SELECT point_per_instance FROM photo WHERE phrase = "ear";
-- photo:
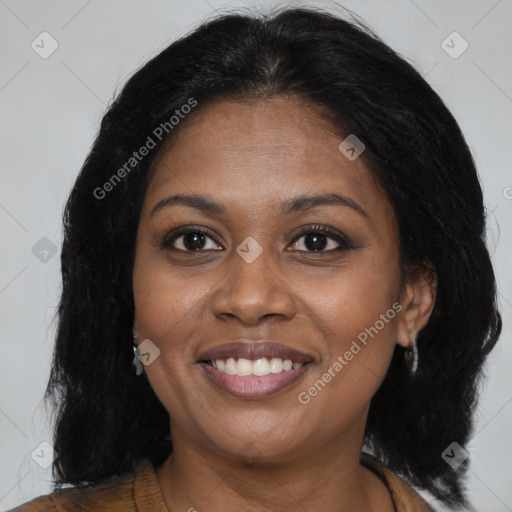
(417, 299)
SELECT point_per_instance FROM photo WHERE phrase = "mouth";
(254, 370)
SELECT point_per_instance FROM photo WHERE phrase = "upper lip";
(254, 349)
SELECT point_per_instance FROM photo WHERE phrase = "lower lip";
(252, 386)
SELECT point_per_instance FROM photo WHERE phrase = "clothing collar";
(405, 499)
(147, 494)
(149, 498)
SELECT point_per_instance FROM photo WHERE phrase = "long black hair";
(107, 419)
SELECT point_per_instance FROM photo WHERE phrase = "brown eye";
(190, 239)
(323, 239)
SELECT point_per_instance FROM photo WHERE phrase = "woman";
(282, 221)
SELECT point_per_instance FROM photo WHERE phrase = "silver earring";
(137, 363)
(411, 356)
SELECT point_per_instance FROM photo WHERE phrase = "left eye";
(322, 240)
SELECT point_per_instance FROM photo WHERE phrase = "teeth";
(260, 367)
(230, 366)
(276, 365)
(244, 367)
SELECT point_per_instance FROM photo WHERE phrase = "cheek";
(169, 320)
(359, 351)
(167, 305)
(357, 315)
(354, 299)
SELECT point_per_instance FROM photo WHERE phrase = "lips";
(217, 364)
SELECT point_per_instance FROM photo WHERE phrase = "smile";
(258, 379)
(254, 369)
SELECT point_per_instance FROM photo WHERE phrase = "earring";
(411, 356)
(137, 363)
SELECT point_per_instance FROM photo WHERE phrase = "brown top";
(141, 493)
(405, 499)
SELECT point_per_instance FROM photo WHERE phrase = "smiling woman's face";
(258, 273)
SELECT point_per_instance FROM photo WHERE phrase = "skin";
(272, 453)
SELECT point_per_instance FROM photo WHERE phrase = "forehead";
(261, 152)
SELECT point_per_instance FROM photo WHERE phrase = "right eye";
(192, 239)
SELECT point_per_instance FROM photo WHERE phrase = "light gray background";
(50, 112)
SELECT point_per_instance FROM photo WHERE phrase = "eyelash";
(344, 242)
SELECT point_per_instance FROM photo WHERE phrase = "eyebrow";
(295, 204)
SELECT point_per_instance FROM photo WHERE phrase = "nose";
(253, 290)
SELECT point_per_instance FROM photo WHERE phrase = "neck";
(327, 477)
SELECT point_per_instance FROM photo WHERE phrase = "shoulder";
(114, 495)
(41, 504)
